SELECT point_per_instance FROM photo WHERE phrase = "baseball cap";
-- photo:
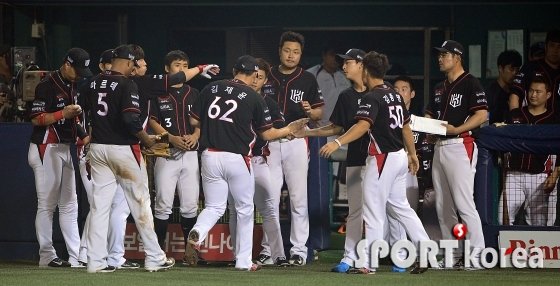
(125, 52)
(536, 49)
(553, 36)
(450, 46)
(106, 57)
(353, 54)
(247, 63)
(79, 60)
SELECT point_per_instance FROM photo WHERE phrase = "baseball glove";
(160, 149)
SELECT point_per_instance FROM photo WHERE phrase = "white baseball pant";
(123, 165)
(290, 159)
(525, 187)
(453, 177)
(263, 199)
(181, 172)
(117, 222)
(384, 195)
(56, 185)
(552, 199)
(224, 172)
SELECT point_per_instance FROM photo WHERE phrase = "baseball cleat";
(108, 269)
(202, 261)
(441, 265)
(57, 262)
(80, 265)
(231, 263)
(263, 260)
(169, 262)
(418, 270)
(128, 265)
(254, 267)
(341, 268)
(297, 260)
(192, 249)
(360, 271)
(282, 262)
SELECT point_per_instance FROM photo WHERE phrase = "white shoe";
(169, 262)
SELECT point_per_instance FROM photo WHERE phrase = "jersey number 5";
(103, 108)
(214, 110)
(396, 116)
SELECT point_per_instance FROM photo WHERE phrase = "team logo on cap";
(348, 51)
(131, 57)
(87, 63)
(444, 43)
(457, 50)
(70, 60)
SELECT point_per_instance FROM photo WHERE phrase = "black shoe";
(107, 269)
(297, 260)
(192, 248)
(57, 262)
(80, 264)
(129, 265)
(231, 264)
(282, 262)
(418, 270)
(360, 271)
(263, 259)
(202, 261)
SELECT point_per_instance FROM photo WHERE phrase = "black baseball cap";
(106, 57)
(79, 60)
(553, 36)
(536, 49)
(126, 52)
(353, 54)
(450, 46)
(247, 63)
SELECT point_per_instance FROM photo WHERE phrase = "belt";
(443, 142)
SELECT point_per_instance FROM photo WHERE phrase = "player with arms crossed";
(53, 115)
(460, 100)
(382, 113)
(228, 113)
(273, 246)
(171, 113)
(297, 93)
(115, 157)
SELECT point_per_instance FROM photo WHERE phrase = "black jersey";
(288, 90)
(343, 115)
(425, 153)
(498, 106)
(152, 86)
(531, 163)
(52, 94)
(277, 119)
(523, 79)
(385, 110)
(230, 113)
(172, 110)
(455, 102)
(111, 94)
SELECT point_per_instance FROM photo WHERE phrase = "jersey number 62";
(214, 109)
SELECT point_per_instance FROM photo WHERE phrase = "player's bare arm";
(325, 131)
(408, 141)
(473, 122)
(294, 126)
(192, 139)
(513, 101)
(68, 112)
(177, 141)
(356, 131)
(550, 182)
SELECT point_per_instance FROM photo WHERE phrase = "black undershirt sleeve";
(132, 122)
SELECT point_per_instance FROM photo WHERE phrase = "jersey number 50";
(396, 116)
(214, 109)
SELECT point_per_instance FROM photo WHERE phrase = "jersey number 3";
(214, 110)
(396, 116)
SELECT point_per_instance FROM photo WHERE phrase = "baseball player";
(273, 246)
(228, 112)
(119, 208)
(461, 101)
(298, 95)
(547, 67)
(171, 113)
(114, 155)
(53, 116)
(527, 173)
(382, 113)
(497, 92)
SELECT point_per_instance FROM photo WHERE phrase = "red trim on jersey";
(185, 117)
(265, 126)
(265, 151)
(380, 159)
(548, 165)
(52, 136)
(317, 104)
(469, 147)
(42, 148)
(131, 109)
(431, 114)
(136, 152)
(247, 160)
(194, 115)
(365, 118)
(454, 84)
(287, 84)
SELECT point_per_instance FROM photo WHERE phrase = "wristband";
(200, 68)
(338, 142)
(58, 115)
